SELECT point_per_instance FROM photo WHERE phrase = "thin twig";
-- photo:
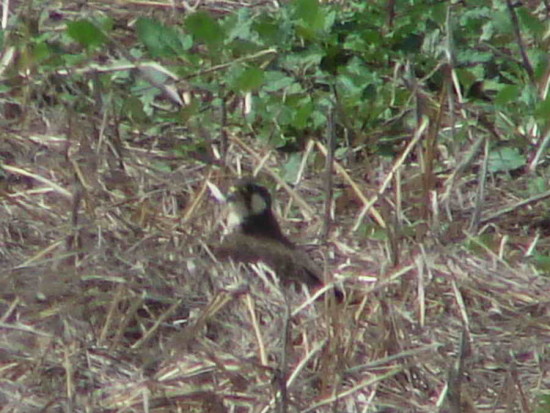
(480, 195)
(517, 33)
(329, 162)
(417, 136)
(344, 174)
(456, 375)
(158, 323)
(252, 310)
(515, 206)
(283, 367)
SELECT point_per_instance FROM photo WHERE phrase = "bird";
(250, 212)
(256, 236)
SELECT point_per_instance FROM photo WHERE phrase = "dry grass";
(111, 301)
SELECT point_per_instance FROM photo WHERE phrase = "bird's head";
(250, 211)
(247, 199)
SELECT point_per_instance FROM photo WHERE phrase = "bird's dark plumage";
(257, 236)
(250, 211)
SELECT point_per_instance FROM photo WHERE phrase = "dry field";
(112, 301)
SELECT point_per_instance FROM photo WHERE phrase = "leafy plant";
(296, 62)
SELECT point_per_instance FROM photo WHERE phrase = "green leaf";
(161, 40)
(305, 58)
(542, 262)
(539, 59)
(41, 51)
(204, 28)
(530, 23)
(73, 59)
(542, 111)
(134, 110)
(507, 94)
(292, 167)
(85, 33)
(505, 159)
(161, 166)
(474, 18)
(529, 95)
(285, 113)
(275, 80)
(306, 10)
(310, 15)
(487, 32)
(249, 79)
(466, 77)
(348, 85)
(271, 31)
(501, 22)
(544, 402)
(302, 114)
(318, 119)
(537, 185)
(468, 56)
(238, 26)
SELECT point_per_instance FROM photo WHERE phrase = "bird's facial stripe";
(258, 203)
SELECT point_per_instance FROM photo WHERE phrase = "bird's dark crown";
(251, 197)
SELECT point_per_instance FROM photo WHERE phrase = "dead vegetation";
(111, 300)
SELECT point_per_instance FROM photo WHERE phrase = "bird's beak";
(231, 194)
